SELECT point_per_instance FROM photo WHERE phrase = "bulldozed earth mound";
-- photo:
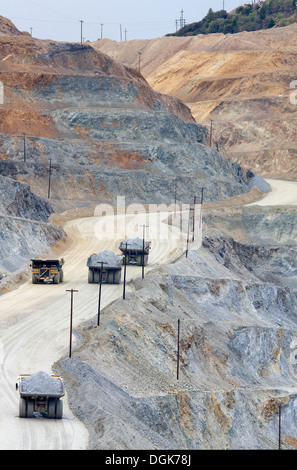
(244, 83)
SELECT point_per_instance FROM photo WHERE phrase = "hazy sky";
(134, 19)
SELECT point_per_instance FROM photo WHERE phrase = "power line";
(50, 9)
(42, 20)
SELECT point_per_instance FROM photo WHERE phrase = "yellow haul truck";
(47, 270)
(40, 393)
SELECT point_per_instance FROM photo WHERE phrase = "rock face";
(103, 129)
(24, 228)
(7, 28)
(237, 305)
(244, 82)
(17, 200)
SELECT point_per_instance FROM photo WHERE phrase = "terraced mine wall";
(237, 305)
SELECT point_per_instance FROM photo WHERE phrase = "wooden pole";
(178, 340)
(100, 288)
(175, 197)
(25, 156)
(81, 31)
(279, 428)
(49, 179)
(194, 215)
(210, 138)
(71, 318)
(188, 235)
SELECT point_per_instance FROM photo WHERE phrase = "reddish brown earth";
(241, 82)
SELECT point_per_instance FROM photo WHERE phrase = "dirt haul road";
(283, 193)
(35, 322)
(35, 319)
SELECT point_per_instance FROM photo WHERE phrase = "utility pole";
(201, 202)
(121, 38)
(210, 137)
(101, 30)
(81, 31)
(31, 32)
(49, 179)
(25, 156)
(279, 427)
(188, 236)
(194, 215)
(100, 286)
(175, 197)
(71, 317)
(144, 227)
(126, 34)
(178, 341)
(125, 270)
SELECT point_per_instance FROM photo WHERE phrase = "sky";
(119, 20)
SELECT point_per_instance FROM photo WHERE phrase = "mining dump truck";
(105, 267)
(40, 393)
(136, 251)
(47, 270)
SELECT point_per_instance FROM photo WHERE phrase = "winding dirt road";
(282, 193)
(35, 323)
(35, 319)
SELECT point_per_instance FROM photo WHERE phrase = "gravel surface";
(41, 383)
(133, 244)
(109, 259)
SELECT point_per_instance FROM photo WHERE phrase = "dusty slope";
(241, 82)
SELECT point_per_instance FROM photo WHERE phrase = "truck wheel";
(22, 408)
(51, 408)
(96, 277)
(34, 279)
(117, 277)
(57, 278)
(61, 275)
(59, 409)
(90, 276)
(139, 260)
(110, 277)
(30, 408)
(145, 260)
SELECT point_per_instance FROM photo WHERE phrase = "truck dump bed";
(135, 245)
(109, 259)
(41, 384)
(105, 267)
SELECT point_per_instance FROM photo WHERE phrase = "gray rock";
(107, 257)
(42, 383)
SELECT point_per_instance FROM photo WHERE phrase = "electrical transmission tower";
(181, 21)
